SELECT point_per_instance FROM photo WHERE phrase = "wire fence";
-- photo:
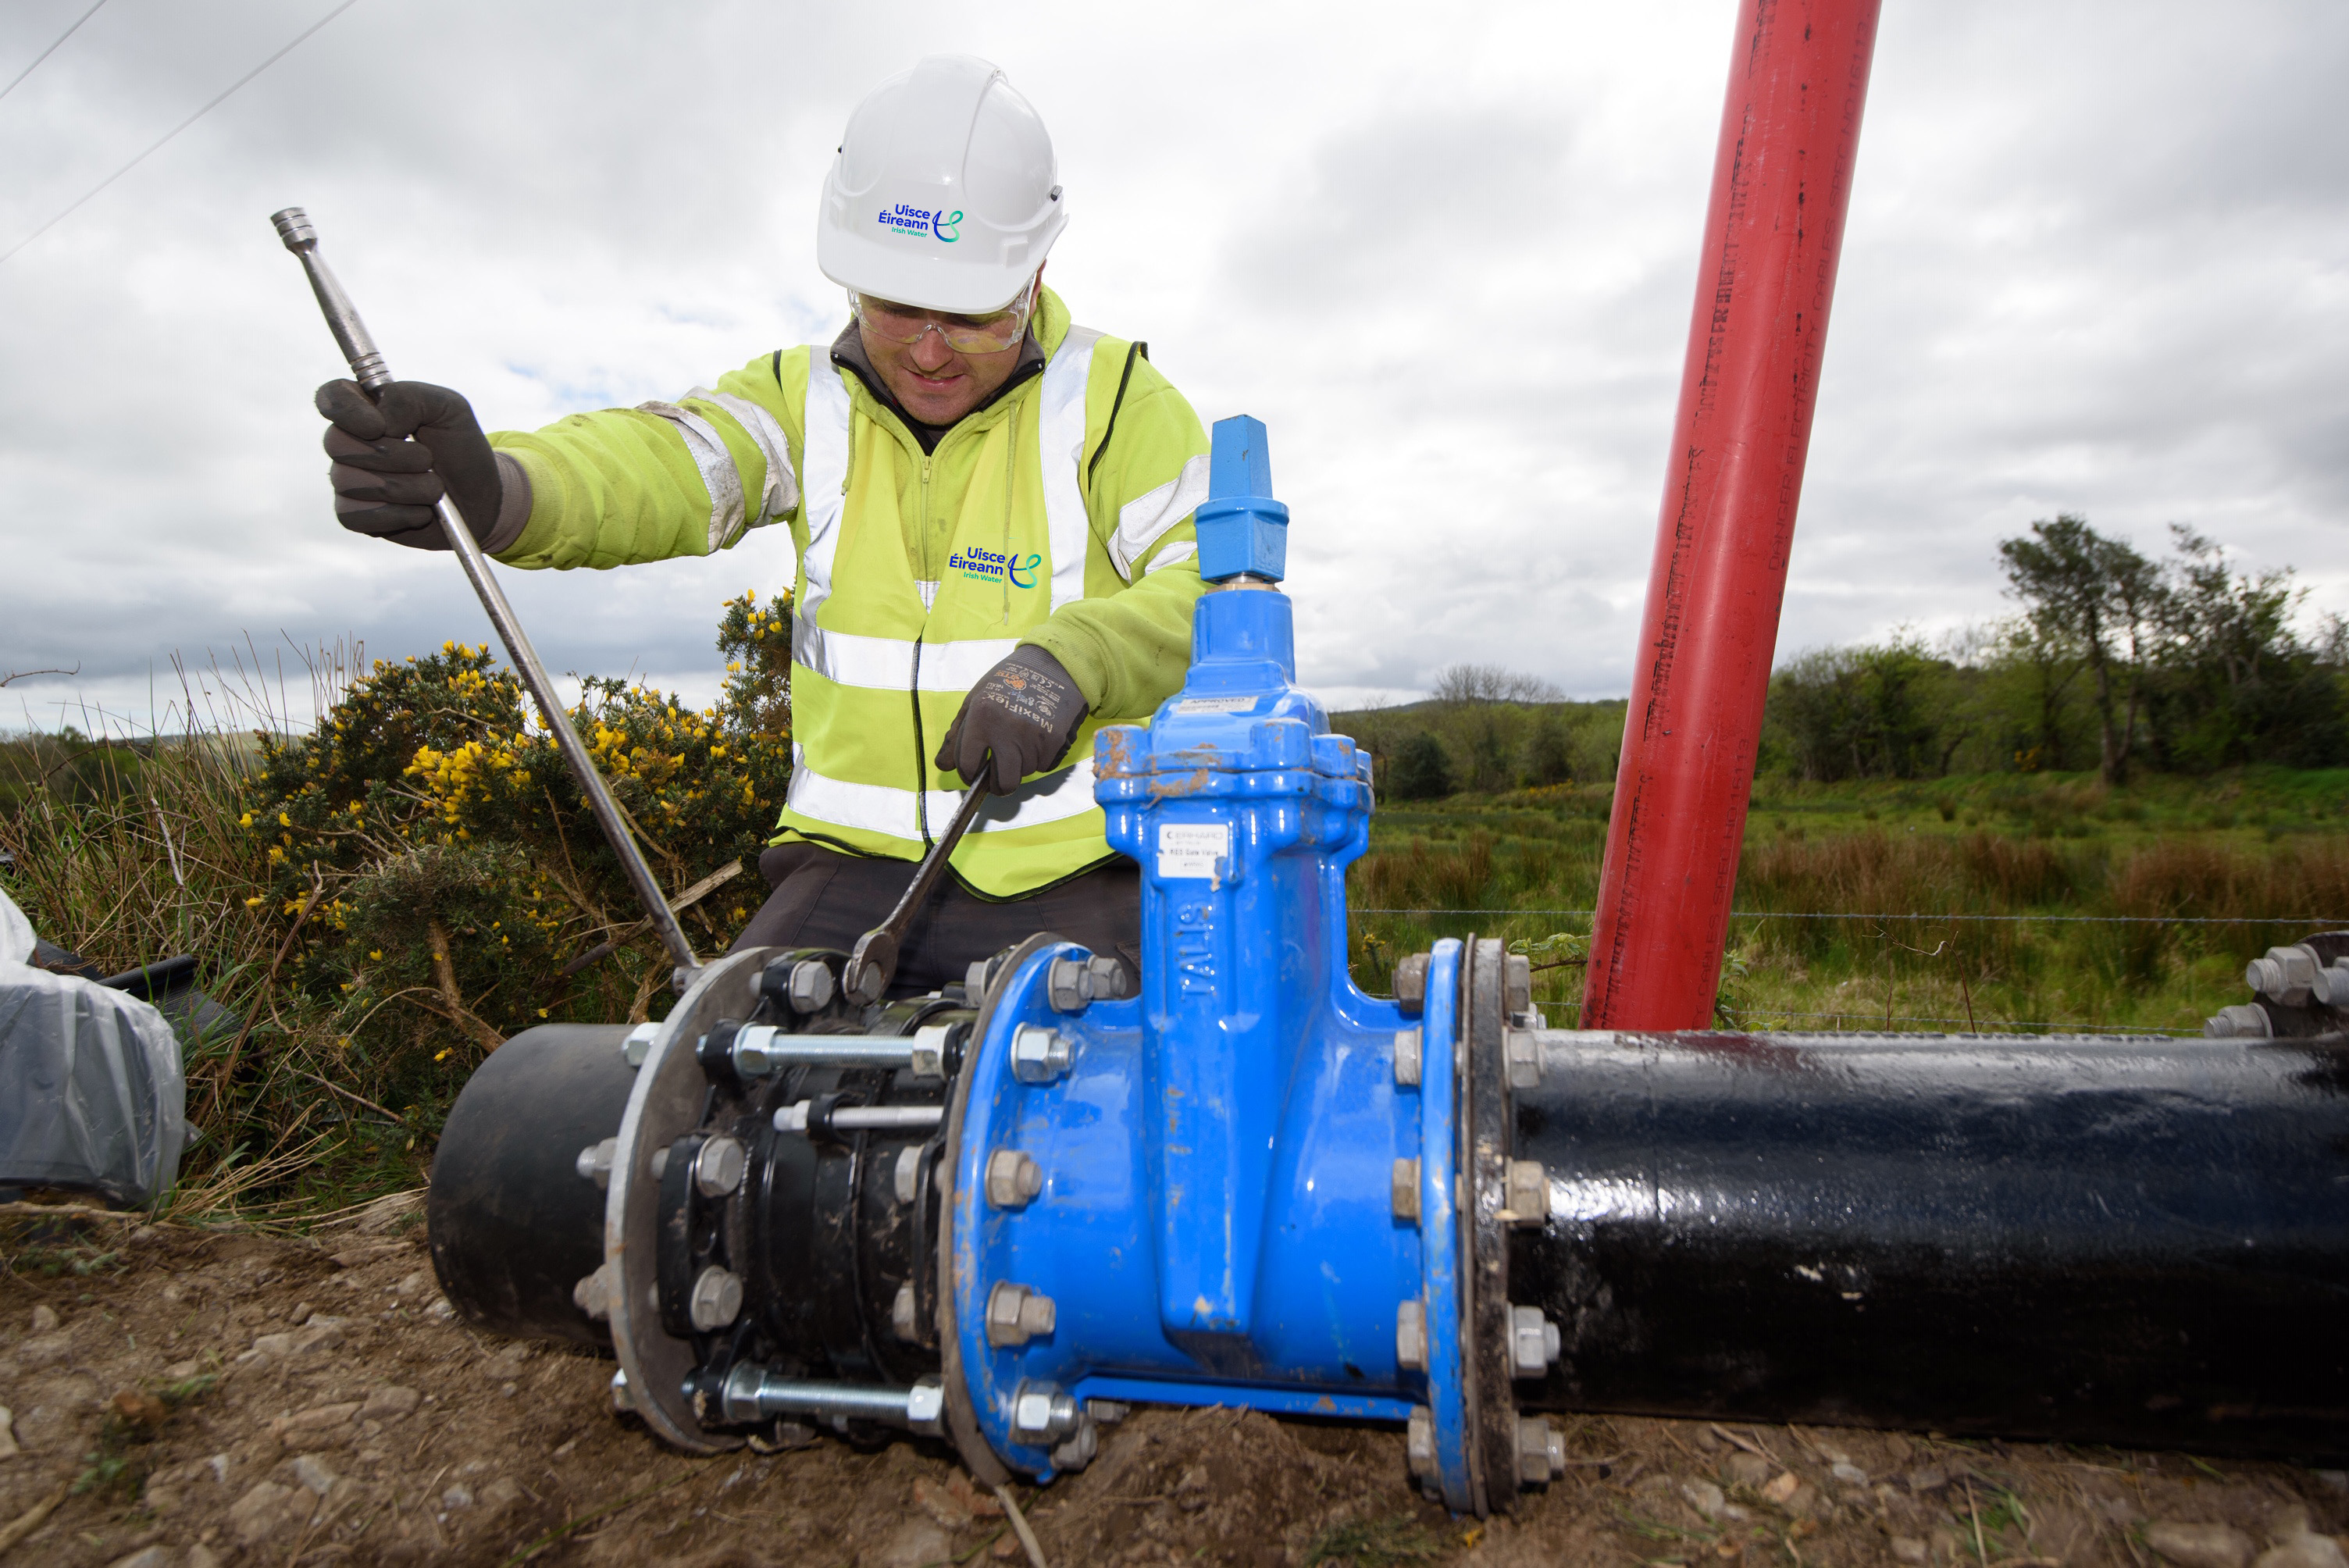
(1873, 1022)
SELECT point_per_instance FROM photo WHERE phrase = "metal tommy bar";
(367, 368)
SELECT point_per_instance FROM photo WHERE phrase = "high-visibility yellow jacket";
(1035, 520)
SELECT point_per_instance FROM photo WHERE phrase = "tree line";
(2113, 661)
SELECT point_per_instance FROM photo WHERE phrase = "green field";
(382, 922)
(2229, 865)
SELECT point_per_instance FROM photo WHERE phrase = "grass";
(2211, 871)
(129, 850)
(1374, 1544)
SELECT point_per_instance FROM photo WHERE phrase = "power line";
(175, 131)
(52, 50)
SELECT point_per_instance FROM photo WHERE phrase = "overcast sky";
(2095, 264)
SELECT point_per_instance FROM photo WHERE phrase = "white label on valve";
(1192, 849)
(1214, 705)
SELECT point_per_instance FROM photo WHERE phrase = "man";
(991, 508)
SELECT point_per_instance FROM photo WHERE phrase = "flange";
(665, 1104)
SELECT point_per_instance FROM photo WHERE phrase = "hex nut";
(718, 1169)
(1419, 1444)
(1406, 1058)
(1520, 982)
(1541, 1451)
(2243, 1021)
(1534, 1341)
(928, 1061)
(1109, 978)
(1078, 1451)
(657, 1166)
(1015, 1315)
(622, 1400)
(593, 1294)
(925, 1407)
(1524, 1048)
(1039, 1055)
(907, 1179)
(1014, 1179)
(594, 1161)
(975, 979)
(1108, 1412)
(1406, 1194)
(1528, 1193)
(794, 1117)
(1411, 1337)
(902, 1314)
(1410, 982)
(1068, 982)
(1042, 1413)
(810, 986)
(639, 1044)
(717, 1299)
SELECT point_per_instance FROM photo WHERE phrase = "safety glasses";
(989, 334)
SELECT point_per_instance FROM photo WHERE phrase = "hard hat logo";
(904, 220)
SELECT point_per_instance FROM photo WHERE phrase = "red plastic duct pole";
(1781, 183)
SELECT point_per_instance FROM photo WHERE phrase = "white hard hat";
(945, 194)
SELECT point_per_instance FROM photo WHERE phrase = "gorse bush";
(441, 881)
(388, 896)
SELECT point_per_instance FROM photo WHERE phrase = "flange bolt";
(1419, 1444)
(1013, 1179)
(905, 1180)
(717, 1169)
(1529, 1191)
(1411, 1337)
(1520, 984)
(1541, 1451)
(902, 1316)
(1042, 1413)
(717, 1299)
(1404, 1194)
(2243, 1021)
(594, 1161)
(810, 987)
(925, 1407)
(1533, 1342)
(639, 1044)
(622, 1400)
(1015, 1315)
(1410, 982)
(1406, 1058)
(1039, 1055)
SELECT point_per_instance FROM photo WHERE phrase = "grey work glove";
(1018, 720)
(396, 453)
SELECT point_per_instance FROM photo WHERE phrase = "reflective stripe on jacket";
(916, 572)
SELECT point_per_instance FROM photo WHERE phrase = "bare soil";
(184, 1398)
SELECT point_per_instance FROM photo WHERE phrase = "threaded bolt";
(1405, 1191)
(1541, 1451)
(1411, 1337)
(1528, 1193)
(1419, 1445)
(1014, 1179)
(1015, 1315)
(717, 1299)
(1534, 1341)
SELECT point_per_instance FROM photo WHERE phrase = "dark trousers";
(822, 898)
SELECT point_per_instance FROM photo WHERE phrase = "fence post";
(1781, 183)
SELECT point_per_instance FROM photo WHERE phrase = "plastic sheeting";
(91, 1094)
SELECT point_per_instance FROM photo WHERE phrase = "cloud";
(2094, 264)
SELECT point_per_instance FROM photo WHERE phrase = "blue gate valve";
(1238, 1187)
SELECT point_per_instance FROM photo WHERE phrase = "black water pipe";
(2132, 1241)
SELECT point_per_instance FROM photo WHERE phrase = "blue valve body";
(1217, 1223)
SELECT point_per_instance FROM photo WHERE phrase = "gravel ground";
(179, 1398)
